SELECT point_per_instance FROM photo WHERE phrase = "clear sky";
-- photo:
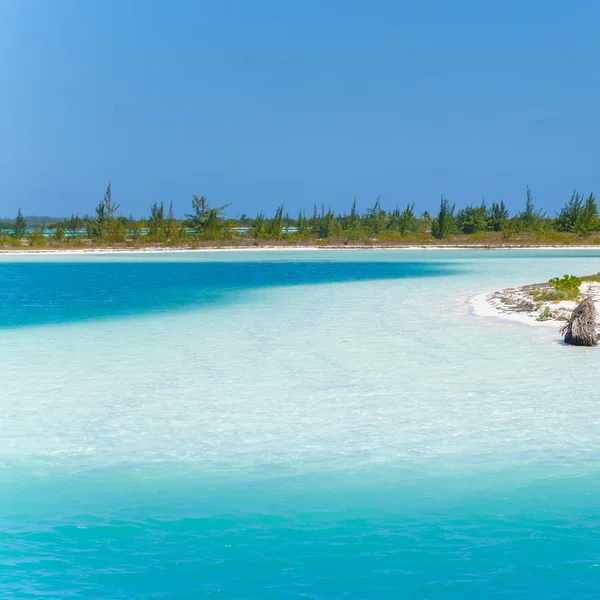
(259, 102)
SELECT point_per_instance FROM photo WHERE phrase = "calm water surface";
(297, 424)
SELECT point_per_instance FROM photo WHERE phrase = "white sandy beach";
(514, 304)
(61, 251)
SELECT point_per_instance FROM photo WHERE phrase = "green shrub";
(569, 284)
(548, 295)
(544, 315)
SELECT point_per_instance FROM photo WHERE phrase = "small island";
(570, 301)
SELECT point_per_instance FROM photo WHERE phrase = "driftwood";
(580, 329)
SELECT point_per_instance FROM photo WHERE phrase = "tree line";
(578, 216)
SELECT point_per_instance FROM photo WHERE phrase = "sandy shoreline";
(75, 251)
(483, 305)
(517, 306)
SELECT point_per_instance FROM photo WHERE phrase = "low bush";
(569, 284)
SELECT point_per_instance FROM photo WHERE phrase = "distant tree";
(588, 220)
(352, 223)
(36, 238)
(375, 219)
(275, 229)
(59, 233)
(353, 217)
(258, 229)
(105, 215)
(207, 220)
(156, 222)
(498, 216)
(173, 230)
(136, 227)
(444, 224)
(403, 221)
(109, 206)
(510, 228)
(19, 226)
(263, 227)
(74, 225)
(570, 214)
(530, 219)
(472, 219)
(302, 222)
(328, 225)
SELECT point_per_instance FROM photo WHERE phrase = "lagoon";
(324, 424)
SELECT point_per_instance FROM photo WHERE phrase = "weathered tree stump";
(580, 329)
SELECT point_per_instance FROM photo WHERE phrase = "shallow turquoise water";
(273, 425)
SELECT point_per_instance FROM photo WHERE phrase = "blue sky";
(259, 102)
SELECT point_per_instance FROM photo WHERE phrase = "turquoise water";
(296, 424)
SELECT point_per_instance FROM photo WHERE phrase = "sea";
(319, 424)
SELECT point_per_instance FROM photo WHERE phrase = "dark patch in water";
(64, 292)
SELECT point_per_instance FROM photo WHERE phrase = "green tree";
(570, 214)
(375, 219)
(328, 225)
(262, 227)
(443, 225)
(258, 229)
(498, 216)
(206, 220)
(588, 219)
(19, 226)
(352, 223)
(275, 225)
(105, 215)
(156, 222)
(173, 230)
(37, 236)
(74, 225)
(136, 227)
(472, 219)
(403, 221)
(530, 219)
(302, 223)
(59, 233)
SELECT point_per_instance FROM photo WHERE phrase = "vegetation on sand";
(205, 224)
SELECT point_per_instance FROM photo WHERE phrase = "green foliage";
(327, 226)
(118, 230)
(545, 314)
(375, 219)
(531, 219)
(443, 226)
(36, 237)
(74, 225)
(156, 222)
(275, 230)
(206, 220)
(472, 219)
(403, 222)
(104, 223)
(481, 225)
(19, 226)
(570, 214)
(588, 219)
(264, 228)
(498, 217)
(136, 227)
(59, 233)
(568, 284)
(509, 229)
(548, 295)
(578, 215)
